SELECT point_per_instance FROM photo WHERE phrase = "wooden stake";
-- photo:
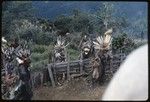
(68, 67)
(51, 75)
(81, 64)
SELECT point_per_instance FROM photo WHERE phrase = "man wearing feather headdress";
(60, 53)
(59, 50)
(11, 77)
(60, 47)
(103, 44)
(23, 59)
(8, 75)
(86, 46)
(103, 52)
(7, 56)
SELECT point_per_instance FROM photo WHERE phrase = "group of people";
(15, 71)
(97, 51)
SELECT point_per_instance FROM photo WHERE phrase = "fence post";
(68, 67)
(41, 79)
(122, 57)
(51, 75)
(32, 82)
(81, 64)
(54, 70)
(111, 65)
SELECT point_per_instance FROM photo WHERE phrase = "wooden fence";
(116, 61)
(70, 68)
(76, 67)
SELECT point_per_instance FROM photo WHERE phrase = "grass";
(74, 54)
(39, 65)
(40, 56)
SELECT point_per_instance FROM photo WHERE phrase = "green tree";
(12, 11)
(105, 18)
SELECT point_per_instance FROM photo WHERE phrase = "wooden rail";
(71, 67)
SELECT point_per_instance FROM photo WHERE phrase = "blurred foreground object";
(131, 80)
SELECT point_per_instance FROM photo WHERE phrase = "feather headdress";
(103, 43)
(60, 42)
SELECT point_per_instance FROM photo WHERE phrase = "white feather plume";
(58, 42)
(4, 40)
(103, 42)
(108, 32)
(19, 60)
(107, 39)
(100, 40)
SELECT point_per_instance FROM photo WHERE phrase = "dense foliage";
(123, 43)
(18, 20)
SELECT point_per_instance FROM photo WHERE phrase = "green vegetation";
(124, 43)
(79, 23)
(74, 54)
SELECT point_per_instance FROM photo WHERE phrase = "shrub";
(39, 65)
(39, 48)
(122, 43)
(74, 54)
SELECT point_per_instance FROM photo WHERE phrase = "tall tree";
(105, 18)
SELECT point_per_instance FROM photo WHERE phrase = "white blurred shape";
(131, 80)
(4, 40)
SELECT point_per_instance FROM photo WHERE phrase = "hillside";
(52, 9)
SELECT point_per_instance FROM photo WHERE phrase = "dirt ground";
(75, 89)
